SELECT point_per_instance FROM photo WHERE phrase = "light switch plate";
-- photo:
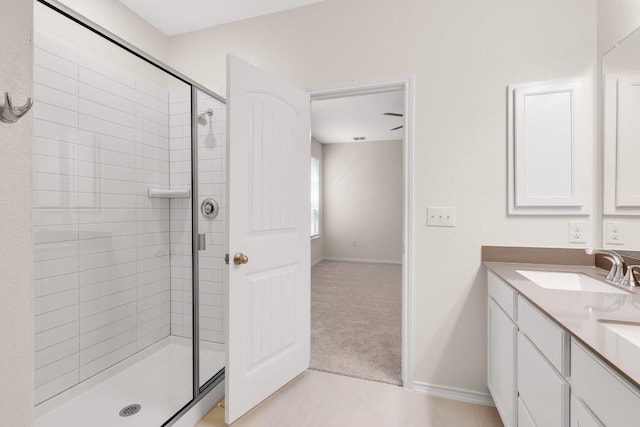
(441, 217)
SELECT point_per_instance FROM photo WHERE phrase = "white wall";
(317, 251)
(363, 201)
(616, 19)
(115, 17)
(16, 313)
(463, 54)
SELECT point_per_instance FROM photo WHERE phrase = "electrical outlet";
(614, 233)
(441, 217)
(577, 231)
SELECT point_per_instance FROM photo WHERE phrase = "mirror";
(621, 145)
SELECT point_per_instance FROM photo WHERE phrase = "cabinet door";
(542, 389)
(581, 417)
(502, 336)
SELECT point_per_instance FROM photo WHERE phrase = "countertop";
(578, 312)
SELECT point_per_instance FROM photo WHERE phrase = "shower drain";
(129, 410)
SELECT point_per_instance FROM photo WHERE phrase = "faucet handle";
(630, 278)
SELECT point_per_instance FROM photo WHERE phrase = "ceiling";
(176, 17)
(342, 119)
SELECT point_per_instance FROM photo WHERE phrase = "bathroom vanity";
(563, 346)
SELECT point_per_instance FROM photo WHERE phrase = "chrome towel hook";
(11, 114)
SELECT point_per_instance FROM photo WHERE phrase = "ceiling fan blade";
(399, 127)
(393, 114)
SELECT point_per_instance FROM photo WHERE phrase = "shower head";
(202, 119)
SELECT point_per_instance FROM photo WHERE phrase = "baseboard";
(453, 393)
(374, 261)
(314, 262)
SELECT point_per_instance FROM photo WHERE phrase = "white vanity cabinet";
(527, 361)
(502, 337)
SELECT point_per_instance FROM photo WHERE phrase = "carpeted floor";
(356, 319)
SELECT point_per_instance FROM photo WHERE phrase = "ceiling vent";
(358, 138)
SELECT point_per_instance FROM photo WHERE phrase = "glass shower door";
(212, 157)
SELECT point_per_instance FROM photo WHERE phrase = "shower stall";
(129, 231)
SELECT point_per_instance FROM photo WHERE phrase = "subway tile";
(104, 216)
(54, 148)
(51, 302)
(54, 131)
(106, 244)
(95, 79)
(56, 250)
(54, 62)
(104, 127)
(56, 369)
(152, 89)
(53, 165)
(50, 44)
(106, 98)
(95, 366)
(99, 275)
(98, 305)
(153, 337)
(56, 386)
(88, 231)
(110, 330)
(55, 80)
(53, 96)
(106, 113)
(55, 267)
(106, 69)
(56, 318)
(55, 335)
(102, 289)
(53, 285)
(98, 320)
(92, 154)
(53, 182)
(114, 258)
(57, 351)
(105, 142)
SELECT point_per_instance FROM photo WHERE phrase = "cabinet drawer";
(550, 339)
(524, 418)
(611, 398)
(502, 293)
(581, 417)
(544, 391)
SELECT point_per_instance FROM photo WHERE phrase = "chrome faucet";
(616, 274)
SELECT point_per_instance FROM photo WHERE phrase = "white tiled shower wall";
(106, 283)
(212, 184)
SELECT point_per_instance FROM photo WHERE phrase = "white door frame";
(406, 84)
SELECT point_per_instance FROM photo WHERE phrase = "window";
(315, 197)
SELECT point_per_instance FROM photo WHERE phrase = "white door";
(268, 316)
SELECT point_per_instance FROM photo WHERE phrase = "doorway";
(360, 306)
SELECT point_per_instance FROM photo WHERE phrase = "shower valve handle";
(240, 258)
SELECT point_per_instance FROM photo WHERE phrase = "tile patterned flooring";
(320, 399)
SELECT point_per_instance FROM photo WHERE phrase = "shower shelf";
(170, 194)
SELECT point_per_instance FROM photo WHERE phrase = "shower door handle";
(202, 242)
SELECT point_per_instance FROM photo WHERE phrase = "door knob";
(240, 258)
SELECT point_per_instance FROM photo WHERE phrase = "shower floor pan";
(158, 379)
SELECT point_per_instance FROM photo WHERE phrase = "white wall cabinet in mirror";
(549, 148)
(621, 128)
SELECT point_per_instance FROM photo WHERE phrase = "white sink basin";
(569, 281)
(630, 331)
